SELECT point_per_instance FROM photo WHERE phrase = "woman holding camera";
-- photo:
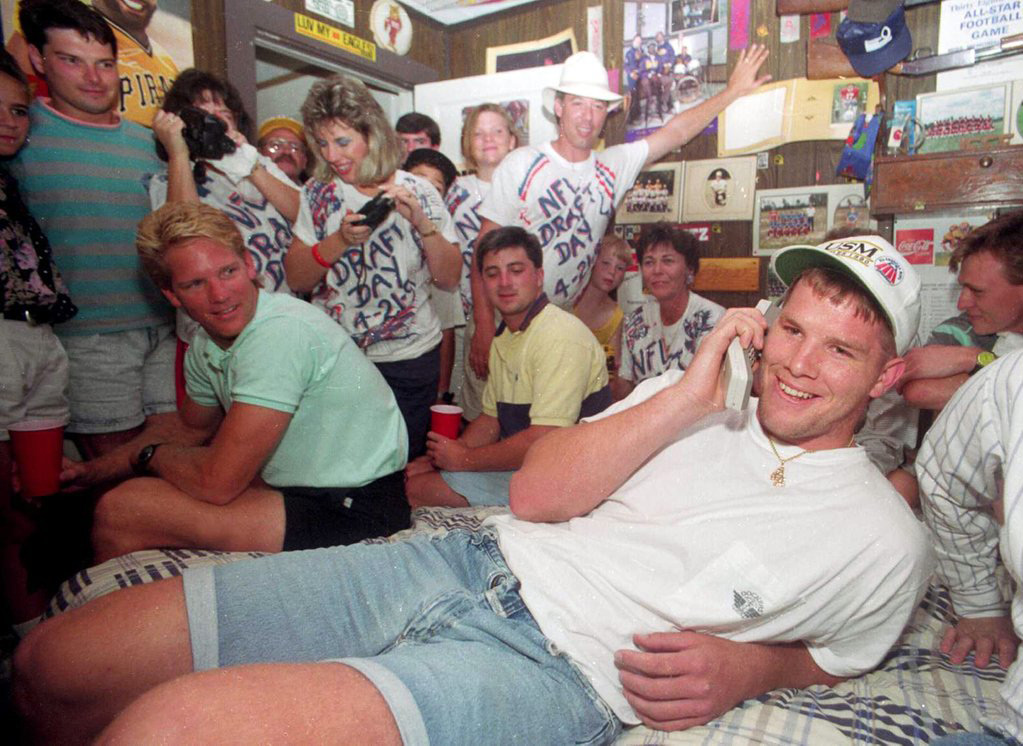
(373, 276)
(248, 187)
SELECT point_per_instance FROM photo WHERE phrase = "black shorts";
(329, 516)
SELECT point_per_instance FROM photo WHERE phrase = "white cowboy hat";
(583, 75)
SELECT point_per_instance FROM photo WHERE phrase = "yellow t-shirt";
(146, 75)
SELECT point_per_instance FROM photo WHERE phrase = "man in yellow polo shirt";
(546, 371)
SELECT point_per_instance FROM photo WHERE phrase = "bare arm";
(678, 680)
(932, 393)
(180, 183)
(482, 312)
(161, 428)
(220, 472)
(575, 458)
(282, 196)
(683, 127)
(499, 455)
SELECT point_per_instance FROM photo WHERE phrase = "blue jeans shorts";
(435, 623)
(480, 487)
(120, 378)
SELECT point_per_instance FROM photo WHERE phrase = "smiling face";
(213, 104)
(665, 272)
(13, 115)
(81, 74)
(581, 121)
(491, 140)
(131, 15)
(214, 285)
(512, 283)
(343, 148)
(991, 302)
(821, 366)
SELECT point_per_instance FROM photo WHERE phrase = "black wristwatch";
(141, 466)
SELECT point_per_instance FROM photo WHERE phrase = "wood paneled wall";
(460, 51)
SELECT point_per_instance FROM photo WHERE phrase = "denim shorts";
(480, 487)
(435, 623)
(120, 378)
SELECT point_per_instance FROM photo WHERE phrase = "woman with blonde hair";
(373, 277)
(488, 135)
(597, 307)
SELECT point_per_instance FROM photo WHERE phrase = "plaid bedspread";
(914, 696)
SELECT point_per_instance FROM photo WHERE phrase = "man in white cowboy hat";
(565, 194)
(715, 555)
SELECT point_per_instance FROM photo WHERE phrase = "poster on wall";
(669, 47)
(153, 45)
(951, 118)
(550, 51)
(978, 23)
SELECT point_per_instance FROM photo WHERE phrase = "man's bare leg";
(429, 489)
(147, 513)
(75, 672)
(260, 703)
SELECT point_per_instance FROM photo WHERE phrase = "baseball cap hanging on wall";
(874, 35)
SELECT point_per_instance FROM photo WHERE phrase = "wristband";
(432, 231)
(984, 358)
(318, 257)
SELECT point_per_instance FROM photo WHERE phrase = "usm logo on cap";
(858, 251)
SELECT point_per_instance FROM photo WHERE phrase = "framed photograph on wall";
(720, 189)
(952, 117)
(784, 217)
(553, 50)
(654, 196)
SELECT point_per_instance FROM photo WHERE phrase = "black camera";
(205, 135)
(375, 211)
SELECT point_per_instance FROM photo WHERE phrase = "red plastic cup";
(38, 446)
(446, 420)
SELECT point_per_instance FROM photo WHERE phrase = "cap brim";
(874, 63)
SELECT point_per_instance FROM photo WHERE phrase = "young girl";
(597, 306)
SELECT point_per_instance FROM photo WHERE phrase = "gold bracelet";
(433, 226)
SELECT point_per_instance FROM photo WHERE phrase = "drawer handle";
(986, 161)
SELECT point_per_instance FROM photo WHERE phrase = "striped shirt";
(84, 184)
(971, 457)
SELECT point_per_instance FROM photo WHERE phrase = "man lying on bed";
(606, 600)
(304, 442)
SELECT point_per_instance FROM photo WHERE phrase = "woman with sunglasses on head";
(373, 277)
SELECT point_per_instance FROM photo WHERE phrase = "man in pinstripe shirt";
(970, 469)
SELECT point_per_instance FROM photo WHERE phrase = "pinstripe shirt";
(972, 456)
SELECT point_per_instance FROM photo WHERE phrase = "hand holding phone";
(737, 369)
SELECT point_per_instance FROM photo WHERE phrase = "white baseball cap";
(582, 74)
(876, 266)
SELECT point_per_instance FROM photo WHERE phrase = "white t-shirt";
(699, 538)
(649, 348)
(566, 205)
(463, 202)
(378, 291)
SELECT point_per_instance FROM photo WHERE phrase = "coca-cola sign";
(917, 245)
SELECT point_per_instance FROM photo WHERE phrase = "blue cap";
(873, 48)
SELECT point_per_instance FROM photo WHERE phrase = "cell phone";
(737, 370)
(375, 211)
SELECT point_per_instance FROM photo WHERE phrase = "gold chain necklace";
(778, 475)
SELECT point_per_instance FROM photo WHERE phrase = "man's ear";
(169, 295)
(888, 377)
(539, 279)
(36, 58)
(250, 266)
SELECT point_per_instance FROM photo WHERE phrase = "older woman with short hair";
(373, 280)
(664, 331)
